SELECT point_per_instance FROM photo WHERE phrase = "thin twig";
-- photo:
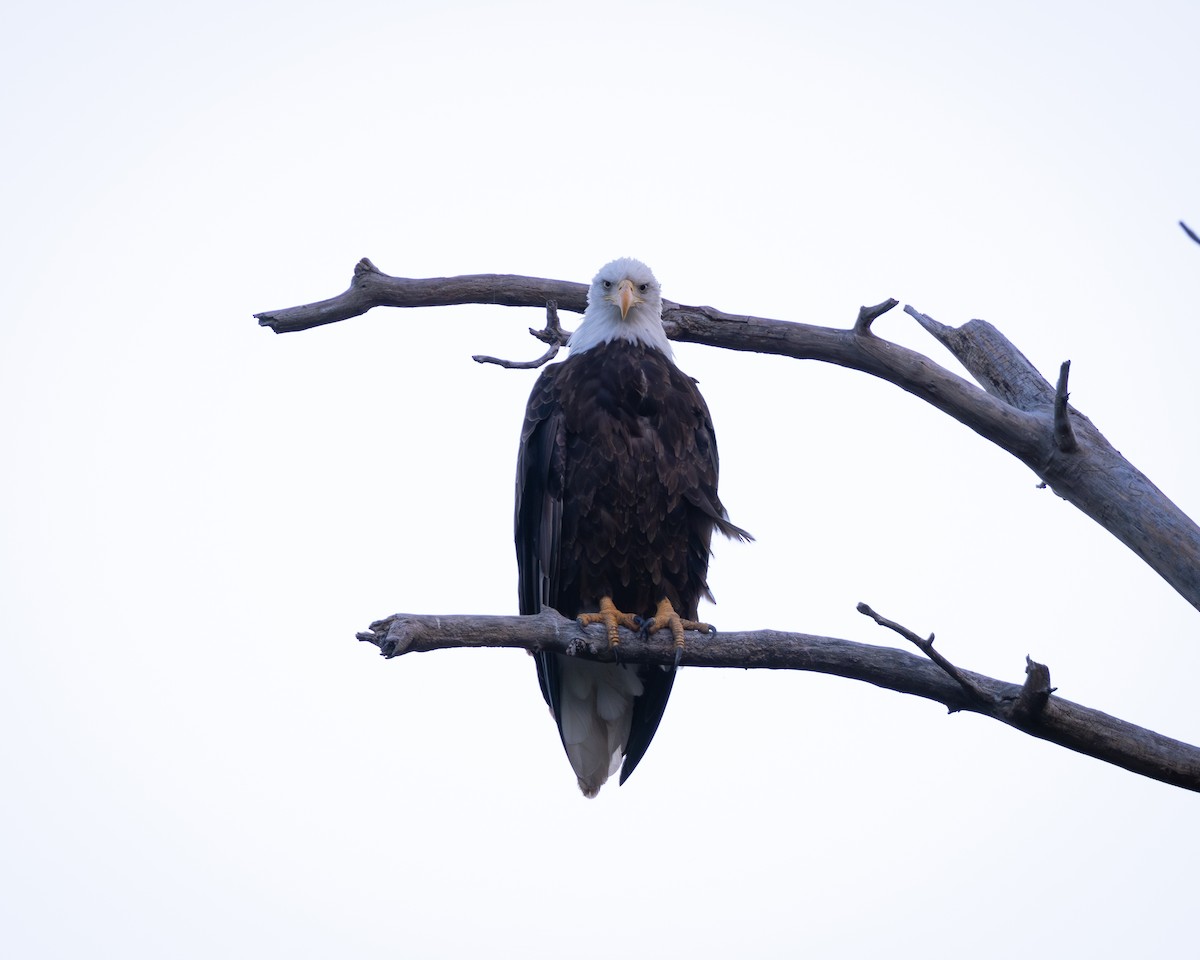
(926, 647)
(1189, 231)
(541, 361)
(553, 334)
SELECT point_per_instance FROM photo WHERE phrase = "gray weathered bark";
(1028, 708)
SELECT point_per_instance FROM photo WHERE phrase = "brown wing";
(616, 495)
(538, 521)
(681, 520)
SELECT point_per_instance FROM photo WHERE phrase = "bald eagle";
(616, 506)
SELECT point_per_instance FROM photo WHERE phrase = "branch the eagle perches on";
(1013, 406)
(1027, 707)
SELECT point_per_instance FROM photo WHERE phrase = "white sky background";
(199, 760)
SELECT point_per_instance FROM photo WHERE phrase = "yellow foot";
(612, 618)
(665, 616)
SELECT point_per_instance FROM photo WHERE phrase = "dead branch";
(1015, 407)
(926, 647)
(1064, 433)
(553, 334)
(868, 315)
(1030, 708)
(370, 287)
(1189, 231)
(1035, 691)
(1028, 705)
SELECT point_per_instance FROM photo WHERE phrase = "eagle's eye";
(643, 287)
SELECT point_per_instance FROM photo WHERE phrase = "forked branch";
(553, 334)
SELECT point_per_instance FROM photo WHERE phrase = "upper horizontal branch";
(906, 368)
(1015, 409)
(370, 287)
(1054, 719)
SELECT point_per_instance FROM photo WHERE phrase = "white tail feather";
(597, 709)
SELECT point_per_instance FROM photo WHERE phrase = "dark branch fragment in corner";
(1189, 231)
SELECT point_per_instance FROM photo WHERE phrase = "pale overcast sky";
(201, 761)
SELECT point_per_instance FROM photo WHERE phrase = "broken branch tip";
(868, 315)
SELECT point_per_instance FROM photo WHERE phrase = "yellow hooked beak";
(624, 297)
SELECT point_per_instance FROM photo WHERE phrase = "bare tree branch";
(1015, 409)
(926, 647)
(1035, 691)
(1189, 231)
(1064, 433)
(370, 287)
(553, 334)
(868, 315)
(1030, 708)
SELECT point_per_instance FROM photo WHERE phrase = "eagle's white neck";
(602, 323)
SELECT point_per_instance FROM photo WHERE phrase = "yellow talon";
(665, 616)
(612, 618)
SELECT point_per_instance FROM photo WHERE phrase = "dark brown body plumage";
(616, 496)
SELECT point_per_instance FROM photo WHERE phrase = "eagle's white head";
(624, 303)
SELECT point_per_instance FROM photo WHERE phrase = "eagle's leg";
(665, 616)
(612, 618)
